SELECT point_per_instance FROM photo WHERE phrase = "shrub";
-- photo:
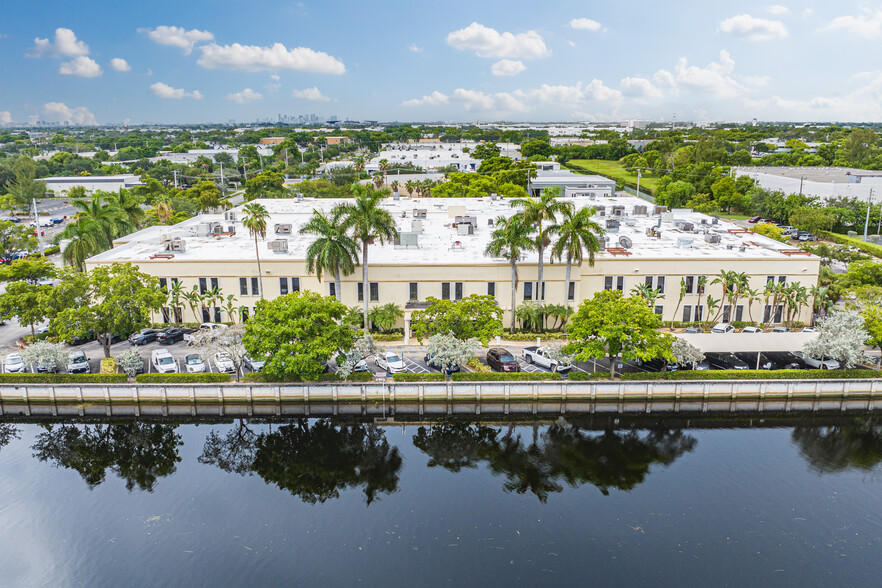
(206, 378)
(476, 365)
(545, 336)
(407, 377)
(108, 365)
(578, 376)
(755, 375)
(505, 376)
(355, 377)
(871, 248)
(63, 378)
(387, 336)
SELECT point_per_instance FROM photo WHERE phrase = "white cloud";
(753, 29)
(585, 24)
(490, 43)
(571, 43)
(245, 96)
(66, 45)
(507, 67)
(432, 99)
(861, 104)
(498, 103)
(277, 57)
(777, 9)
(715, 79)
(637, 87)
(413, 47)
(177, 37)
(82, 66)
(5, 117)
(868, 25)
(808, 12)
(62, 112)
(120, 64)
(310, 94)
(165, 91)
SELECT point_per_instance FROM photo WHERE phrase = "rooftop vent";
(203, 229)
(612, 225)
(642, 210)
(283, 229)
(465, 229)
(408, 240)
(278, 246)
(176, 244)
(684, 242)
(420, 212)
(626, 242)
(712, 238)
(230, 216)
(618, 210)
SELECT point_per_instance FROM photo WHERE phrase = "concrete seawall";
(258, 400)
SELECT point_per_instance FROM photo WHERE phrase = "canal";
(450, 502)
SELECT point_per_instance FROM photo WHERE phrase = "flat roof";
(440, 243)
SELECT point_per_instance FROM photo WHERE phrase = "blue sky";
(201, 61)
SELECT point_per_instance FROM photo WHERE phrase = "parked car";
(14, 364)
(189, 337)
(391, 362)
(751, 330)
(501, 359)
(804, 236)
(13, 219)
(784, 360)
(725, 361)
(42, 329)
(658, 364)
(43, 221)
(430, 361)
(540, 356)
(224, 363)
(56, 220)
(723, 328)
(144, 337)
(78, 363)
(826, 364)
(45, 368)
(77, 340)
(194, 363)
(809, 329)
(163, 362)
(750, 357)
(256, 365)
(780, 329)
(754, 219)
(172, 335)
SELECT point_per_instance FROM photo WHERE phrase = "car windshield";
(193, 360)
(393, 358)
(78, 358)
(14, 360)
(166, 360)
(506, 358)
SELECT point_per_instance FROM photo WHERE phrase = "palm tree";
(384, 166)
(128, 206)
(213, 297)
(577, 235)
(231, 309)
(87, 238)
(255, 221)
(175, 294)
(821, 301)
(530, 315)
(410, 185)
(163, 208)
(109, 218)
(726, 279)
(647, 293)
(332, 251)
(368, 222)
(535, 212)
(752, 296)
(386, 315)
(680, 300)
(194, 300)
(510, 240)
(358, 166)
(378, 179)
(394, 185)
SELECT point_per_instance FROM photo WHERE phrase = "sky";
(201, 61)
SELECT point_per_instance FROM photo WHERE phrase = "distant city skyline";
(568, 61)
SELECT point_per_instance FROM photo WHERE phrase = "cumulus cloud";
(120, 64)
(862, 103)
(490, 43)
(177, 37)
(165, 91)
(310, 94)
(868, 25)
(5, 117)
(753, 29)
(637, 87)
(777, 9)
(62, 112)
(66, 45)
(277, 57)
(82, 66)
(507, 67)
(585, 24)
(245, 96)
(414, 48)
(432, 99)
(715, 79)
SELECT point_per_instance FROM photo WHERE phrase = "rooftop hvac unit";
(416, 226)
(618, 210)
(299, 197)
(420, 212)
(640, 210)
(704, 221)
(278, 246)
(659, 209)
(626, 242)
(177, 244)
(465, 229)
(712, 238)
(407, 240)
(215, 228)
(684, 226)
(684, 242)
(230, 216)
(742, 249)
(612, 225)
(667, 217)
(203, 229)
(715, 221)
(396, 196)
(283, 229)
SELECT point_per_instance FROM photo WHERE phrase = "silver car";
(14, 364)
(194, 363)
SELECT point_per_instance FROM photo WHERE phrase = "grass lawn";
(733, 216)
(614, 170)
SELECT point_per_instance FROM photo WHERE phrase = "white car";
(255, 365)
(391, 362)
(811, 362)
(194, 363)
(78, 363)
(163, 362)
(808, 329)
(751, 330)
(14, 364)
(723, 328)
(224, 363)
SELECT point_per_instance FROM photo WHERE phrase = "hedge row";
(63, 378)
(205, 378)
(408, 377)
(871, 248)
(755, 375)
(260, 377)
(504, 376)
(545, 336)
(577, 376)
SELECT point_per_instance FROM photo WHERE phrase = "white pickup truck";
(539, 356)
(190, 337)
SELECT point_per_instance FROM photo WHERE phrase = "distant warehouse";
(63, 185)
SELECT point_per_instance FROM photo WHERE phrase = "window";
(213, 282)
(571, 291)
(375, 291)
(620, 283)
(414, 291)
(174, 280)
(660, 284)
(607, 282)
(659, 310)
(165, 315)
(648, 281)
(491, 288)
(700, 284)
(295, 284)
(614, 283)
(255, 286)
(217, 314)
(243, 286)
(528, 290)
(445, 290)
(205, 316)
(360, 291)
(778, 313)
(457, 290)
(739, 313)
(163, 284)
(727, 311)
(699, 312)
(770, 279)
(690, 284)
(283, 286)
(332, 289)
(782, 279)
(244, 314)
(203, 285)
(687, 313)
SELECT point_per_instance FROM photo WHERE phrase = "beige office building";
(440, 253)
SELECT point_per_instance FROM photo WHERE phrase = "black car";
(750, 358)
(657, 365)
(430, 361)
(89, 336)
(725, 361)
(144, 337)
(502, 360)
(172, 335)
(784, 360)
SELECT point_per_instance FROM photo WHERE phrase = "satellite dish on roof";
(626, 242)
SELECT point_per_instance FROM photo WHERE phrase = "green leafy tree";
(207, 194)
(26, 302)
(333, 250)
(121, 300)
(265, 185)
(510, 240)
(474, 316)
(486, 151)
(24, 187)
(255, 219)
(14, 238)
(297, 332)
(813, 220)
(30, 270)
(610, 325)
(128, 207)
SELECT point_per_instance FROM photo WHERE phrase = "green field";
(615, 171)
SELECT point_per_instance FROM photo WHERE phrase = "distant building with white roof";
(63, 184)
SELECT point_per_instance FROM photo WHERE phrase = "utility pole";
(867, 222)
(223, 184)
(37, 226)
(286, 160)
(639, 170)
(175, 173)
(801, 179)
(261, 162)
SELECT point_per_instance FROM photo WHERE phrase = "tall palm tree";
(128, 206)
(680, 300)
(163, 208)
(175, 295)
(87, 238)
(368, 222)
(358, 166)
(577, 235)
(752, 296)
(394, 185)
(333, 251)
(410, 186)
(194, 299)
(511, 239)
(538, 212)
(231, 309)
(109, 218)
(255, 221)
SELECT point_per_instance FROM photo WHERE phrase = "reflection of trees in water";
(8, 432)
(311, 462)
(562, 454)
(856, 445)
(139, 453)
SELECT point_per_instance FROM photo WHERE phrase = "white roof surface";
(438, 239)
